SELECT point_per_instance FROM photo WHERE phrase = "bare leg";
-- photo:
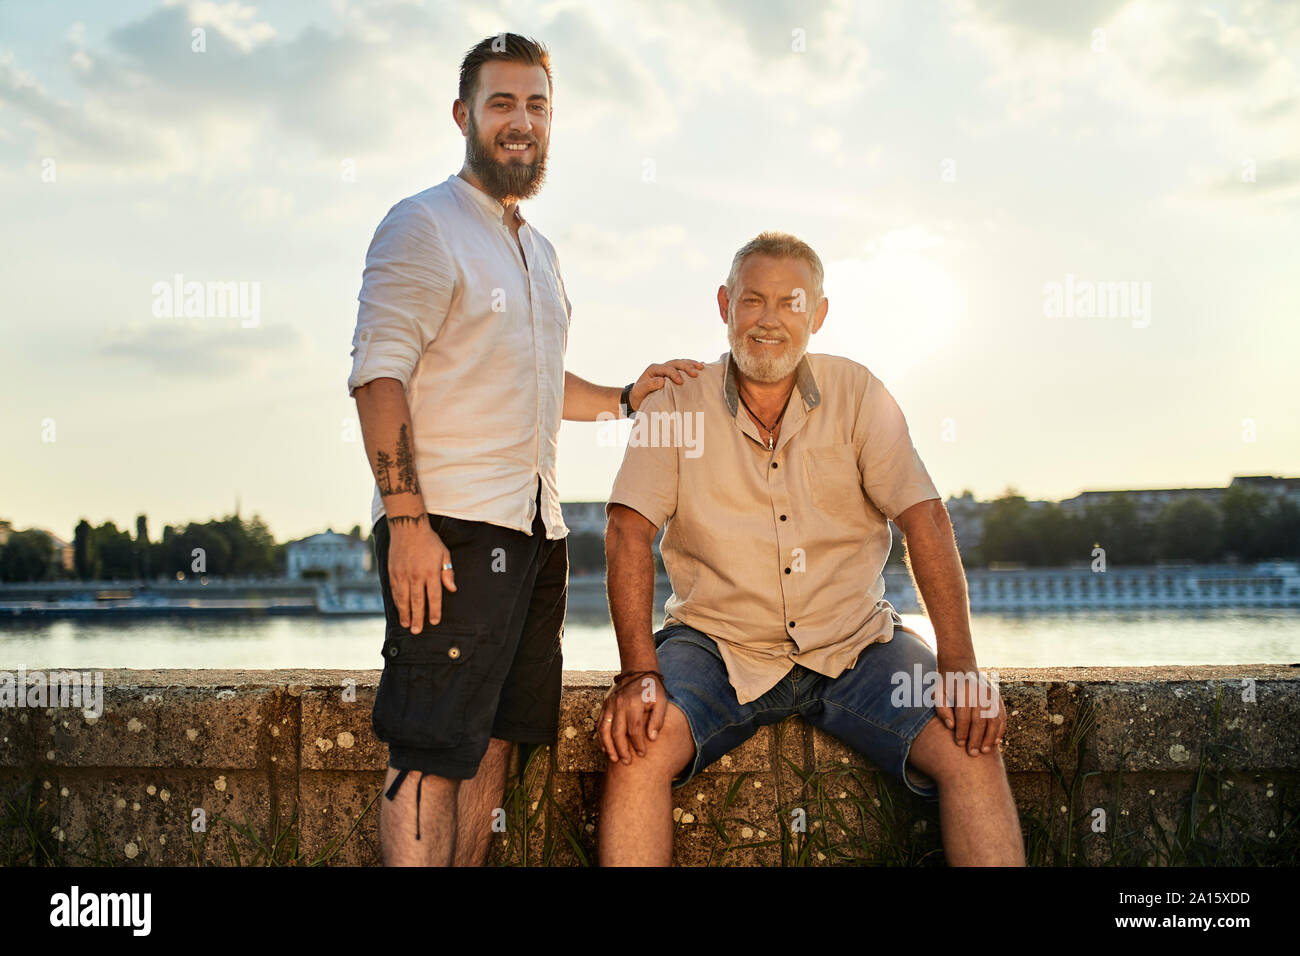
(977, 814)
(397, 842)
(475, 803)
(636, 816)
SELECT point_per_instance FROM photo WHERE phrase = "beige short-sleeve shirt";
(777, 555)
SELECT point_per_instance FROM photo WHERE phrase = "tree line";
(227, 547)
(1245, 526)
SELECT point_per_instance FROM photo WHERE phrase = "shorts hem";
(928, 793)
(526, 735)
(694, 768)
(427, 761)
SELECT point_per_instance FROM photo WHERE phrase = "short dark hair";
(510, 47)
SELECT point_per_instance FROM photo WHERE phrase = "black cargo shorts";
(492, 665)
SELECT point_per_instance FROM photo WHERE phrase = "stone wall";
(1160, 765)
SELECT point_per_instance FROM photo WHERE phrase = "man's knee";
(667, 755)
(936, 753)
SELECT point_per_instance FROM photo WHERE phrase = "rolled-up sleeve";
(647, 479)
(893, 474)
(406, 290)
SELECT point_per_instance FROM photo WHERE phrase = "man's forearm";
(935, 566)
(583, 401)
(387, 433)
(630, 583)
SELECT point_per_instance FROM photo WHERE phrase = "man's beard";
(506, 182)
(764, 368)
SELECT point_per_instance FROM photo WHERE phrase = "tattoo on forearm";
(406, 478)
(399, 519)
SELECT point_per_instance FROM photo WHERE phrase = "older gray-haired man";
(775, 541)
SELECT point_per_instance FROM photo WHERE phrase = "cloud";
(834, 54)
(1071, 22)
(1164, 58)
(61, 127)
(1272, 180)
(709, 51)
(602, 80)
(147, 97)
(1203, 54)
(376, 85)
(622, 255)
(188, 349)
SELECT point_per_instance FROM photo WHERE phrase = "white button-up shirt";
(476, 335)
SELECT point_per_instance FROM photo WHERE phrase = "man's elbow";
(626, 529)
(927, 515)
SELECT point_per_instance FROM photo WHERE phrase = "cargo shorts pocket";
(424, 689)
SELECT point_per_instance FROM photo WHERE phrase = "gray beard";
(505, 182)
(757, 368)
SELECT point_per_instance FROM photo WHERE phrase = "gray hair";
(781, 245)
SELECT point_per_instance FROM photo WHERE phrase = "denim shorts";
(491, 667)
(855, 707)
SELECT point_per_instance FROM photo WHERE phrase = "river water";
(1093, 638)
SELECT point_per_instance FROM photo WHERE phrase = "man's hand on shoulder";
(654, 377)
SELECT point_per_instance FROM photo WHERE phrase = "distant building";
(1270, 486)
(967, 516)
(584, 516)
(339, 556)
(1149, 501)
(586, 523)
(63, 551)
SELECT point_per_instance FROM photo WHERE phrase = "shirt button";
(787, 570)
(782, 517)
(774, 465)
(792, 623)
(453, 652)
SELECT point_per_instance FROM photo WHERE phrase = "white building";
(337, 555)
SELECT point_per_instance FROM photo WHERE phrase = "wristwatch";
(625, 400)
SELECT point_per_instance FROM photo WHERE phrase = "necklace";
(771, 432)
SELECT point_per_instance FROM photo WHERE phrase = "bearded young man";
(458, 374)
(775, 545)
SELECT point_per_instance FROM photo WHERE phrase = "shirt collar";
(485, 202)
(804, 381)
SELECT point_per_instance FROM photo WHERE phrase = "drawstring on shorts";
(391, 794)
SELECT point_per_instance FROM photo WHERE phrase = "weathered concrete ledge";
(1156, 765)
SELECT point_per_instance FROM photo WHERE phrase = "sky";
(962, 168)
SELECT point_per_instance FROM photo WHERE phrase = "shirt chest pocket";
(833, 478)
